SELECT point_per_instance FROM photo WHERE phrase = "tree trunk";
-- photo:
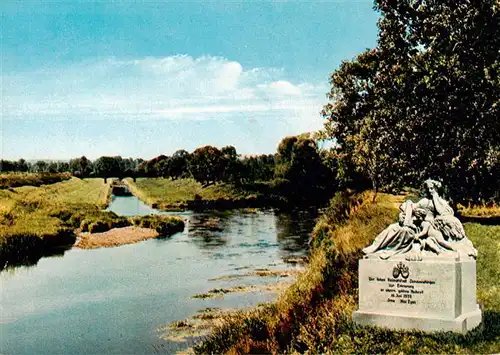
(375, 188)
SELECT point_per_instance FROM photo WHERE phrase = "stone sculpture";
(425, 228)
(420, 272)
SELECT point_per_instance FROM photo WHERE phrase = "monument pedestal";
(435, 294)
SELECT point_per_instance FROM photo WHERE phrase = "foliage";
(19, 166)
(424, 102)
(179, 164)
(108, 167)
(300, 174)
(257, 168)
(80, 166)
(206, 165)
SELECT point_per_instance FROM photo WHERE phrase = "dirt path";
(114, 237)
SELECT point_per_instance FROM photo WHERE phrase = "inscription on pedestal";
(431, 295)
(408, 288)
(401, 291)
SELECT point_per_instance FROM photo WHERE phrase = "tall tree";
(424, 102)
(179, 164)
(107, 167)
(205, 164)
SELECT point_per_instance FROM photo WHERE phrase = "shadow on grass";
(485, 221)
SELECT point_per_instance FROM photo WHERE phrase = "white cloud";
(175, 87)
(281, 88)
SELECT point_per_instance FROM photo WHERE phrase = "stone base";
(462, 324)
(431, 295)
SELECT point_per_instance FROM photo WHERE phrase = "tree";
(7, 165)
(300, 171)
(179, 164)
(62, 167)
(205, 165)
(230, 164)
(257, 168)
(82, 166)
(424, 102)
(52, 167)
(107, 167)
(22, 166)
(41, 166)
(163, 167)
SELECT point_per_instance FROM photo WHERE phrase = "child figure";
(429, 237)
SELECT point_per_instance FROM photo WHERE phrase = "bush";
(98, 227)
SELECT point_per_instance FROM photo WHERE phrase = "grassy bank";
(11, 180)
(188, 194)
(314, 314)
(35, 219)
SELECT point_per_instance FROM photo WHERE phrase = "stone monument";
(420, 272)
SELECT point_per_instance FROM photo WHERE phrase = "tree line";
(298, 170)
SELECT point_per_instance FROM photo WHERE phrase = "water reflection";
(252, 232)
(294, 229)
(33, 249)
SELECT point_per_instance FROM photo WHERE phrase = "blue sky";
(143, 78)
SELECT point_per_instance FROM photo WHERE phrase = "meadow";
(314, 314)
(167, 194)
(42, 210)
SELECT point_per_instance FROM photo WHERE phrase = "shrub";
(98, 227)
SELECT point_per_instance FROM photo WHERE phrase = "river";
(112, 300)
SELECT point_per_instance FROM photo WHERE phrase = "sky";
(144, 78)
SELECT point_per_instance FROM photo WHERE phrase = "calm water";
(112, 300)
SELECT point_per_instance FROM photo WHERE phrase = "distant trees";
(80, 166)
(301, 172)
(7, 165)
(206, 165)
(424, 102)
(179, 163)
(41, 166)
(109, 167)
(258, 168)
(297, 171)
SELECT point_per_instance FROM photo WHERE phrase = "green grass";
(164, 225)
(167, 193)
(314, 315)
(487, 240)
(43, 211)
(11, 180)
